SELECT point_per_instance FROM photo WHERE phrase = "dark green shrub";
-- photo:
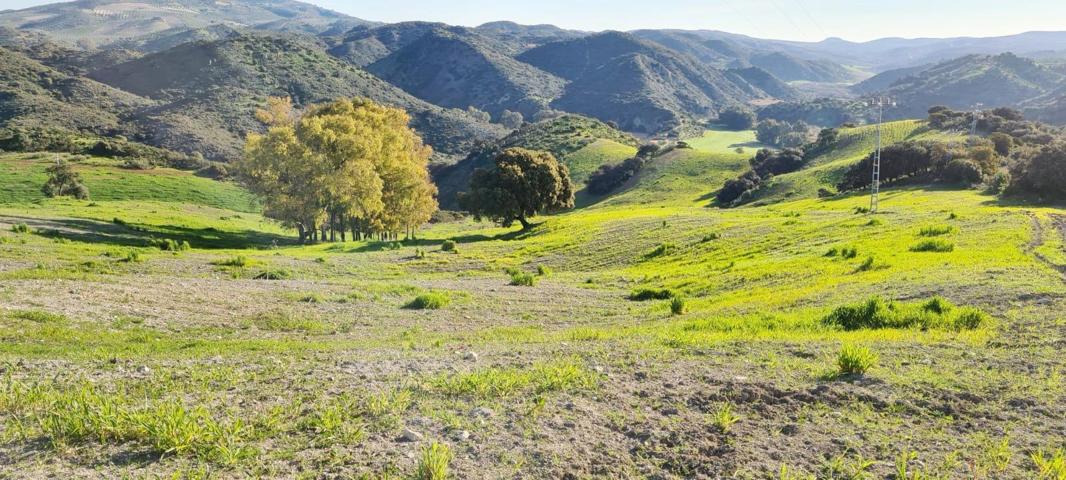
(938, 246)
(935, 313)
(275, 274)
(645, 294)
(447, 246)
(523, 279)
(429, 301)
(936, 230)
(678, 306)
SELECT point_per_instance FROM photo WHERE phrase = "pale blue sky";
(786, 19)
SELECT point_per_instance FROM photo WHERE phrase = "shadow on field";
(133, 235)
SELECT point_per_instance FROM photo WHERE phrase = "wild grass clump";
(724, 418)
(855, 360)
(494, 383)
(429, 301)
(133, 256)
(934, 245)
(523, 279)
(239, 261)
(289, 322)
(20, 228)
(38, 316)
(710, 237)
(874, 222)
(646, 294)
(433, 465)
(447, 246)
(936, 230)
(936, 313)
(661, 250)
(847, 252)
(678, 306)
(169, 244)
(1050, 465)
(273, 274)
(867, 264)
(544, 270)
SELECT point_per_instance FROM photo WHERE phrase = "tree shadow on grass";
(136, 235)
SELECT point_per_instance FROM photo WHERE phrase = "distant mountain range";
(187, 75)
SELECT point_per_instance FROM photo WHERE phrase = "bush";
(1000, 182)
(645, 294)
(853, 360)
(430, 301)
(677, 306)
(938, 246)
(962, 171)
(608, 178)
(523, 279)
(447, 246)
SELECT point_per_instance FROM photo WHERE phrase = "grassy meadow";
(648, 334)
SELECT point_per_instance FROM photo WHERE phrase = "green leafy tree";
(64, 181)
(737, 118)
(524, 183)
(512, 120)
(349, 164)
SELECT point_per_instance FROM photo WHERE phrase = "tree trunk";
(525, 223)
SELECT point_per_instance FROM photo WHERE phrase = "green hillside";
(23, 174)
(279, 360)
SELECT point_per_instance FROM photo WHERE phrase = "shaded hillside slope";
(210, 90)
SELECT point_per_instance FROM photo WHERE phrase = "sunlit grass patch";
(933, 245)
(877, 313)
(287, 321)
(505, 382)
(429, 301)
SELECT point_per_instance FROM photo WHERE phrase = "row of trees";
(967, 163)
(350, 165)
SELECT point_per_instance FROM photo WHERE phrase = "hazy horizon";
(798, 20)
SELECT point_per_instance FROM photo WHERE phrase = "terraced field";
(662, 338)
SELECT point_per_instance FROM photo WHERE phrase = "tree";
(64, 181)
(523, 183)
(350, 164)
(512, 120)
(479, 114)
(737, 118)
(1042, 171)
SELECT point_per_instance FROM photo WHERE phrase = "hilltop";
(94, 23)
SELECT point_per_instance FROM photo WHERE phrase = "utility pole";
(875, 186)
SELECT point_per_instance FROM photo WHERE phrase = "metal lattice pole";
(876, 184)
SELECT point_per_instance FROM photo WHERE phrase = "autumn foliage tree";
(523, 183)
(350, 165)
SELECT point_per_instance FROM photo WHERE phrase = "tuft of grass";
(677, 306)
(846, 252)
(133, 256)
(544, 270)
(169, 244)
(523, 279)
(936, 313)
(855, 360)
(1050, 465)
(289, 322)
(429, 301)
(661, 250)
(239, 261)
(447, 246)
(710, 237)
(724, 418)
(874, 222)
(38, 316)
(20, 228)
(274, 274)
(866, 265)
(496, 383)
(645, 294)
(434, 462)
(933, 245)
(936, 230)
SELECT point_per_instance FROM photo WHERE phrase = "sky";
(807, 20)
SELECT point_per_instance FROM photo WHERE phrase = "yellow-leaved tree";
(349, 165)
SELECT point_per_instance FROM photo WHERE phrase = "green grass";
(430, 301)
(934, 245)
(601, 152)
(855, 360)
(23, 174)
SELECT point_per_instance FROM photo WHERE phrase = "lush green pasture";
(661, 337)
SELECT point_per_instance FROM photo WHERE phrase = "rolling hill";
(640, 85)
(208, 92)
(462, 69)
(90, 23)
(995, 81)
